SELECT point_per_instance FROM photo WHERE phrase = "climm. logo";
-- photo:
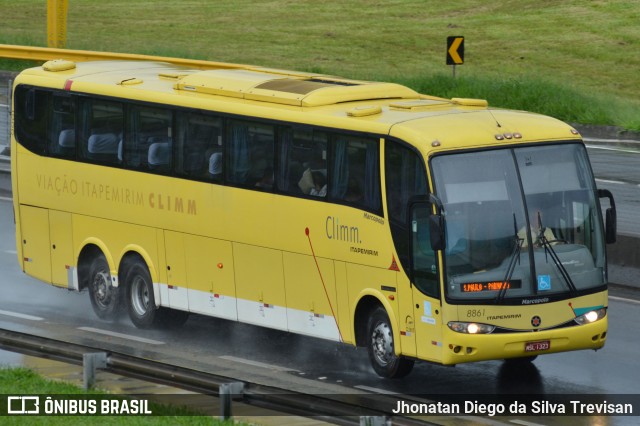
(340, 232)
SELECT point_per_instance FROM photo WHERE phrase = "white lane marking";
(604, 140)
(256, 363)
(410, 398)
(120, 335)
(375, 390)
(19, 315)
(608, 148)
(616, 182)
(525, 423)
(623, 299)
(11, 252)
(6, 199)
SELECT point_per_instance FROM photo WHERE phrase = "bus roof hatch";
(289, 90)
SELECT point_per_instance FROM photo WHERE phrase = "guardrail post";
(91, 361)
(374, 421)
(5, 121)
(227, 392)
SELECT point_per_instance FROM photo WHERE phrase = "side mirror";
(611, 226)
(611, 219)
(436, 232)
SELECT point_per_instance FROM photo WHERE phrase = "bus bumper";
(460, 348)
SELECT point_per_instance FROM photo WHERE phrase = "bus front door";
(426, 285)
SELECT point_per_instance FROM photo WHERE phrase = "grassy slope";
(577, 59)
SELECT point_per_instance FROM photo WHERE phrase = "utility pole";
(57, 23)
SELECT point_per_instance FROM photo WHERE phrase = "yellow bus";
(360, 212)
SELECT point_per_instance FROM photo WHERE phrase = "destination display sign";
(480, 286)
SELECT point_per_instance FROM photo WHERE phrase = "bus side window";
(303, 155)
(102, 129)
(31, 107)
(62, 133)
(199, 138)
(251, 154)
(354, 176)
(147, 127)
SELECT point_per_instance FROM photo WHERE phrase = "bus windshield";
(520, 223)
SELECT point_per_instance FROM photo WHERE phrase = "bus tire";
(105, 298)
(380, 346)
(140, 301)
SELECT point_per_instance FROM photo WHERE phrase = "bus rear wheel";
(141, 303)
(380, 345)
(104, 296)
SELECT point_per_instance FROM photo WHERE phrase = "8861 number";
(475, 313)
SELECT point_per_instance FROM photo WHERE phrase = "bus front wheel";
(103, 295)
(380, 345)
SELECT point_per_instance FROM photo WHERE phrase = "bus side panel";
(176, 284)
(345, 316)
(60, 231)
(36, 254)
(211, 278)
(311, 296)
(260, 286)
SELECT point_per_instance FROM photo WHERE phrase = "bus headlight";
(470, 327)
(591, 316)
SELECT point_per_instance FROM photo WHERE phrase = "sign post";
(455, 52)
(57, 23)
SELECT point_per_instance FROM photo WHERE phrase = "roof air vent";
(59, 65)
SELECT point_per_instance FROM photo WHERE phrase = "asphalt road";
(617, 169)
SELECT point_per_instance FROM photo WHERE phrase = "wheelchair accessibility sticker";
(544, 282)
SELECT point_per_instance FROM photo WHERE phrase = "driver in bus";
(537, 228)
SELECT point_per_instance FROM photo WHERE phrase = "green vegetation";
(22, 381)
(575, 60)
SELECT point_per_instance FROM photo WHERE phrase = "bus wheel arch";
(374, 329)
(365, 306)
(94, 274)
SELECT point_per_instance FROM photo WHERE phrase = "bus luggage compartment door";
(36, 253)
(61, 239)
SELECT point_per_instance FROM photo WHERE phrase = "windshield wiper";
(548, 249)
(515, 256)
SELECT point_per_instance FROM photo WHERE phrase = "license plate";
(537, 346)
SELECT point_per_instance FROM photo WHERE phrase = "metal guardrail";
(34, 53)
